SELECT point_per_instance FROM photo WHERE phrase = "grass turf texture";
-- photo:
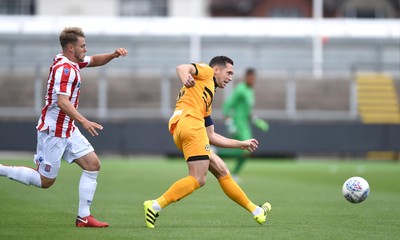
(306, 198)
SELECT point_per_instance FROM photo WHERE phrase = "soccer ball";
(355, 189)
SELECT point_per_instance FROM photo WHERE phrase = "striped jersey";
(64, 78)
(195, 101)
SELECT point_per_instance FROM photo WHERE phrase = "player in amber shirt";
(193, 131)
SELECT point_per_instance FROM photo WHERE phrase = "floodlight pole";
(195, 46)
(102, 109)
(317, 40)
(195, 38)
(38, 90)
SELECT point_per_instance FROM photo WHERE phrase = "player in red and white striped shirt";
(64, 79)
(58, 137)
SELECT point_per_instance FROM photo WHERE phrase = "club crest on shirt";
(208, 147)
(47, 168)
(66, 71)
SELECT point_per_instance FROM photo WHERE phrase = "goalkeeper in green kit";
(237, 111)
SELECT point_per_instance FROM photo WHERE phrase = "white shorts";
(51, 149)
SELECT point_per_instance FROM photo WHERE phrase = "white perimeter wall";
(77, 8)
(188, 8)
(176, 8)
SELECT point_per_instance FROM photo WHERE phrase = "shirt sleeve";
(208, 121)
(63, 79)
(203, 71)
(85, 63)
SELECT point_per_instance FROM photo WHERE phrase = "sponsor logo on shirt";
(39, 160)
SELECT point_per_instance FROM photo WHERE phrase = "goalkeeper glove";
(260, 124)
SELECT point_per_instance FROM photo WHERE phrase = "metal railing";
(161, 88)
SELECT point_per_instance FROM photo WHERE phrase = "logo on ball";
(355, 189)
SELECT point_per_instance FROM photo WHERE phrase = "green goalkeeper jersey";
(239, 106)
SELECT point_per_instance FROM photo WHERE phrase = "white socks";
(29, 176)
(87, 188)
(25, 175)
(257, 211)
(156, 206)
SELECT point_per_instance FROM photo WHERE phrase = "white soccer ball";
(355, 189)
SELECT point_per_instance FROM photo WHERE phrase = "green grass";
(306, 199)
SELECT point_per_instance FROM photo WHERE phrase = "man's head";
(223, 70)
(250, 77)
(72, 40)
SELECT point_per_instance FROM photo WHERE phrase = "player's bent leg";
(198, 169)
(185, 186)
(47, 182)
(89, 162)
(24, 175)
(219, 169)
(217, 166)
(234, 192)
(177, 191)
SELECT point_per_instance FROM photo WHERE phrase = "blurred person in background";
(57, 135)
(237, 111)
(193, 131)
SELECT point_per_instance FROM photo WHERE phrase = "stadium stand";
(378, 103)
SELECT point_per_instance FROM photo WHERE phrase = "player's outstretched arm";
(220, 141)
(104, 58)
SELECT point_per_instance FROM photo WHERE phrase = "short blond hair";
(70, 35)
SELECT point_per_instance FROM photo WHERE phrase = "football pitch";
(306, 199)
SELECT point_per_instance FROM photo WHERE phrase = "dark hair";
(250, 71)
(70, 35)
(220, 60)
